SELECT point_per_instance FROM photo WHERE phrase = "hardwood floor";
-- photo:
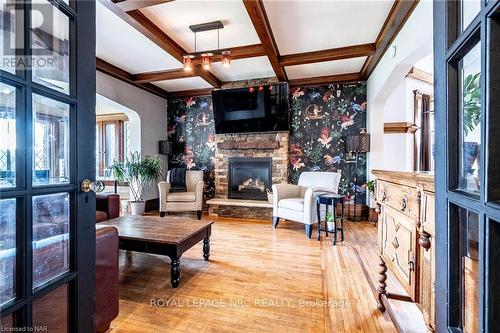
(257, 280)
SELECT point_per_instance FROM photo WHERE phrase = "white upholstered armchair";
(191, 200)
(298, 202)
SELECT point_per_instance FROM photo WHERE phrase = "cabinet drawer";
(402, 198)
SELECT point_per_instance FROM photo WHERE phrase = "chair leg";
(276, 220)
(162, 214)
(308, 230)
(198, 213)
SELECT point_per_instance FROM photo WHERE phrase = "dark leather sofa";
(106, 257)
(106, 274)
(107, 206)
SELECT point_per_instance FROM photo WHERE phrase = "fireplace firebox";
(249, 177)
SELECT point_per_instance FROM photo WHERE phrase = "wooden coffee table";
(165, 236)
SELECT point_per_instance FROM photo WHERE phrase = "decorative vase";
(471, 150)
(138, 207)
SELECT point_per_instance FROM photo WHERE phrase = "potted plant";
(330, 225)
(140, 172)
(471, 117)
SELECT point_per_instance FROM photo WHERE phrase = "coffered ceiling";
(300, 41)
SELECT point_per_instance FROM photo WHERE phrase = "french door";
(47, 121)
(467, 113)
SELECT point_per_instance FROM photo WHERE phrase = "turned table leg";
(206, 248)
(175, 271)
(382, 285)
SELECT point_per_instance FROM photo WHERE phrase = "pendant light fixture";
(206, 61)
(187, 61)
(226, 59)
(207, 56)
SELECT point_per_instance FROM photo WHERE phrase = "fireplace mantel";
(254, 144)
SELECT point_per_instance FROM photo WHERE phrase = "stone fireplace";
(270, 149)
(249, 177)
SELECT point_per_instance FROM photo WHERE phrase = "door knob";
(97, 186)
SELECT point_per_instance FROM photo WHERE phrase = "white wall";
(389, 92)
(151, 109)
(105, 105)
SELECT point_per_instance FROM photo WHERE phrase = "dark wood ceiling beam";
(170, 74)
(190, 93)
(127, 5)
(145, 26)
(258, 16)
(174, 49)
(239, 52)
(397, 17)
(362, 50)
(349, 77)
(120, 74)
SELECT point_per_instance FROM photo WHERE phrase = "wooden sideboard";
(405, 203)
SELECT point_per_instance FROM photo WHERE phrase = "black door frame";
(81, 276)
(449, 47)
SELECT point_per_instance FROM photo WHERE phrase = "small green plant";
(329, 217)
(370, 185)
(139, 171)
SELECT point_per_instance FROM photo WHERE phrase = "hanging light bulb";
(226, 59)
(206, 61)
(187, 61)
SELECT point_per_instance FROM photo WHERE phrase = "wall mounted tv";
(253, 109)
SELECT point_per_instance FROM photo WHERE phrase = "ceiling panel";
(343, 66)
(319, 25)
(183, 84)
(121, 45)
(244, 69)
(175, 17)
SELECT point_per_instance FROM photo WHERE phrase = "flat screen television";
(253, 109)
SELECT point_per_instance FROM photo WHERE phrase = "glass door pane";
(8, 30)
(7, 250)
(470, 117)
(51, 141)
(469, 269)
(7, 136)
(50, 237)
(50, 46)
(50, 313)
(468, 11)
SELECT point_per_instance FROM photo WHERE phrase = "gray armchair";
(298, 202)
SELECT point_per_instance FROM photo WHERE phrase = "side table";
(331, 199)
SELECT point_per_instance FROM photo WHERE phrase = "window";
(111, 142)
(424, 135)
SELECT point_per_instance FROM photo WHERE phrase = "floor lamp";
(357, 143)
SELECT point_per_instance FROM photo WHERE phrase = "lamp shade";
(358, 143)
(164, 147)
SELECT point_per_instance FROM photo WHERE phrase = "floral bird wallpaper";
(321, 119)
(191, 130)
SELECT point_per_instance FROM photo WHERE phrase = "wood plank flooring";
(257, 280)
